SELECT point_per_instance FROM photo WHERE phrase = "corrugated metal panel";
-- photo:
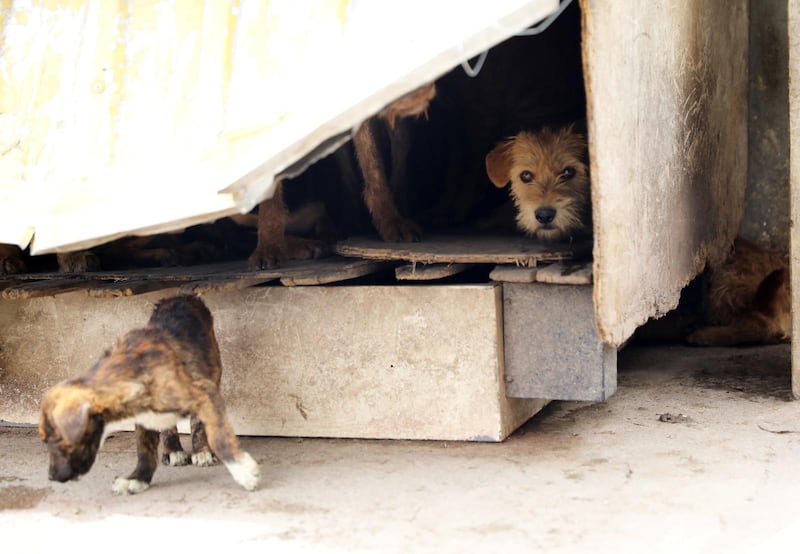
(120, 117)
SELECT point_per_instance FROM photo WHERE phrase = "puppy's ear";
(498, 164)
(71, 419)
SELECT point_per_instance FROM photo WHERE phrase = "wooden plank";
(518, 250)
(428, 272)
(513, 274)
(177, 273)
(794, 182)
(129, 287)
(38, 289)
(223, 284)
(6, 283)
(331, 271)
(566, 273)
(674, 115)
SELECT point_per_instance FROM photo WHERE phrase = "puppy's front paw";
(204, 458)
(245, 471)
(128, 486)
(176, 458)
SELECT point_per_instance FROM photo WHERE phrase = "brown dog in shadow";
(749, 299)
(275, 246)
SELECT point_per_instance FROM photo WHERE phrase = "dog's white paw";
(245, 471)
(204, 458)
(128, 486)
(179, 458)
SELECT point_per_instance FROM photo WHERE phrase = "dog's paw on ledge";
(128, 486)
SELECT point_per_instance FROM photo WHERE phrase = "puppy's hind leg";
(147, 453)
(223, 442)
(202, 455)
(173, 453)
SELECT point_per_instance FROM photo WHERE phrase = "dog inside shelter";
(428, 234)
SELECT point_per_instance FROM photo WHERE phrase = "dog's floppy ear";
(498, 163)
(71, 419)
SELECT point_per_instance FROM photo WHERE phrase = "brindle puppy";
(152, 376)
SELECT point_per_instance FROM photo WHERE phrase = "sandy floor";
(698, 451)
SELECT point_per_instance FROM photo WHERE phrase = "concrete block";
(400, 362)
(552, 348)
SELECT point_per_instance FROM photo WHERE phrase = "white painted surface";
(149, 116)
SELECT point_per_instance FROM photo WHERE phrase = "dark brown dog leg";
(11, 261)
(78, 262)
(386, 218)
(400, 137)
(147, 453)
(222, 440)
(201, 453)
(173, 453)
(274, 247)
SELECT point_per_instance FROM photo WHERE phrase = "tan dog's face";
(70, 431)
(549, 181)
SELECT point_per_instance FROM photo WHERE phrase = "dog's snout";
(545, 215)
(59, 473)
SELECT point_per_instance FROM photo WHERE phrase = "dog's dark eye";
(568, 173)
(526, 176)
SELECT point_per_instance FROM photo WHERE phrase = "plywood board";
(128, 287)
(794, 170)
(333, 271)
(37, 289)
(513, 274)
(566, 273)
(428, 272)
(667, 118)
(488, 249)
(200, 279)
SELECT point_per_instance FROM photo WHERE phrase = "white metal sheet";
(141, 117)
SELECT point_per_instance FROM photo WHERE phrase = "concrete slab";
(552, 348)
(696, 453)
(421, 362)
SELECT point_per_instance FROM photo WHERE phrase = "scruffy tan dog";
(749, 299)
(152, 376)
(549, 179)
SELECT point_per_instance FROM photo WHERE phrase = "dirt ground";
(697, 452)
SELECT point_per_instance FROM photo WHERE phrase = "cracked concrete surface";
(697, 452)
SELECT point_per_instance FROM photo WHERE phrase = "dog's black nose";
(62, 474)
(545, 215)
